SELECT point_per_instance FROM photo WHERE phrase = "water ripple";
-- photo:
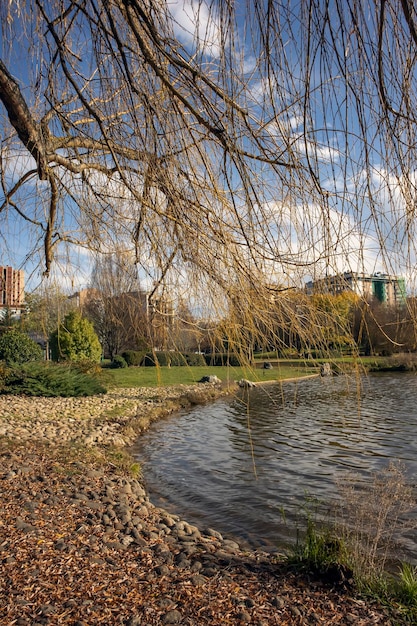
(243, 467)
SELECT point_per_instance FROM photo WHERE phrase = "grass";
(355, 545)
(161, 376)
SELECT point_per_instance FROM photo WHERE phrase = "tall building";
(383, 287)
(12, 288)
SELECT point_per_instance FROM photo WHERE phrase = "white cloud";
(196, 25)
(311, 240)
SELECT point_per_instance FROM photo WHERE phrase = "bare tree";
(117, 307)
(235, 146)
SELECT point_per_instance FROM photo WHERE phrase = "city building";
(385, 288)
(12, 289)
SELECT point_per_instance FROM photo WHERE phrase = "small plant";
(369, 517)
(319, 550)
(406, 586)
(118, 362)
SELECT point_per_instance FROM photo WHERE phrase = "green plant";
(133, 357)
(222, 358)
(320, 551)
(50, 380)
(406, 585)
(162, 359)
(75, 340)
(195, 359)
(18, 347)
(118, 362)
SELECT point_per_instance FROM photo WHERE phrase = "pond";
(248, 465)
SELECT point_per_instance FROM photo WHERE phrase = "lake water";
(246, 465)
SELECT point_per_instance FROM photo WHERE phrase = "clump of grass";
(356, 545)
(369, 517)
(406, 585)
(319, 551)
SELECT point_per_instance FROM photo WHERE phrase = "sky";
(356, 235)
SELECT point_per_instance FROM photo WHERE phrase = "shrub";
(133, 357)
(164, 358)
(369, 515)
(75, 340)
(221, 359)
(118, 362)
(320, 552)
(18, 347)
(50, 380)
(195, 359)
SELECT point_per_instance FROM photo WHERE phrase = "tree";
(224, 142)
(46, 307)
(18, 347)
(75, 340)
(118, 310)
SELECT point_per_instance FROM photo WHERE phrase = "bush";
(162, 359)
(133, 357)
(18, 347)
(195, 360)
(49, 380)
(222, 358)
(75, 340)
(118, 362)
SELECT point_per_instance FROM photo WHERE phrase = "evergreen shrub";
(133, 357)
(162, 359)
(75, 340)
(18, 347)
(195, 360)
(118, 362)
(49, 380)
(221, 359)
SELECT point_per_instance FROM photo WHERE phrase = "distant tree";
(333, 315)
(186, 333)
(7, 319)
(75, 340)
(45, 310)
(18, 347)
(382, 329)
(118, 310)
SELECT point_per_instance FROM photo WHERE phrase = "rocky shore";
(81, 544)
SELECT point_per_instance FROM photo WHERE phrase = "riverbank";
(81, 543)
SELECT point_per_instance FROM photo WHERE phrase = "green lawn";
(157, 376)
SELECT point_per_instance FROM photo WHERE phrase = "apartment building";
(12, 288)
(384, 287)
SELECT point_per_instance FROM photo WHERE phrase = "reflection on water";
(246, 465)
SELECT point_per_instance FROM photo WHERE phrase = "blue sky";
(357, 234)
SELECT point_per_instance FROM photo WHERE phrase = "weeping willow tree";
(234, 148)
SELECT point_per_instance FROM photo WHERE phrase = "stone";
(210, 532)
(210, 379)
(245, 384)
(325, 369)
(244, 617)
(172, 617)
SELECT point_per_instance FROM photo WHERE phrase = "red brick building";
(12, 288)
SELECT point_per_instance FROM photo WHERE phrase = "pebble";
(119, 505)
(172, 617)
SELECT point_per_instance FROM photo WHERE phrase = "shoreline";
(81, 543)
